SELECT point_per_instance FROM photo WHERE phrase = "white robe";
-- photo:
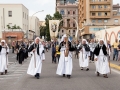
(65, 64)
(102, 65)
(4, 59)
(32, 70)
(84, 58)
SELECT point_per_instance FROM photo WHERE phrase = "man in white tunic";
(102, 65)
(4, 50)
(84, 55)
(65, 62)
(38, 56)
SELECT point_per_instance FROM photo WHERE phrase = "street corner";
(114, 66)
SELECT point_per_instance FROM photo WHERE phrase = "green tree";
(14, 27)
(57, 16)
(18, 27)
(47, 33)
(8, 26)
(42, 31)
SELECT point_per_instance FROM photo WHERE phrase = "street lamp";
(32, 16)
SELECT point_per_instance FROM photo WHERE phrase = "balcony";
(99, 9)
(98, 17)
(100, 2)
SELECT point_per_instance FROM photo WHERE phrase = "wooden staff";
(34, 57)
(6, 57)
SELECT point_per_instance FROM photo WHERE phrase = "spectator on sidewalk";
(115, 51)
(53, 54)
(119, 51)
(57, 53)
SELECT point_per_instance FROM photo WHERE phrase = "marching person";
(65, 62)
(101, 59)
(77, 49)
(84, 55)
(21, 53)
(4, 50)
(92, 46)
(38, 56)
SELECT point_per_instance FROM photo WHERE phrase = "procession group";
(97, 52)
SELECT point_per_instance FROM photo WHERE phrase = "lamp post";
(32, 16)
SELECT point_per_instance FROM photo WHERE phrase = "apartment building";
(10, 15)
(69, 10)
(95, 15)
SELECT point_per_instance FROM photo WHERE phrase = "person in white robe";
(65, 65)
(84, 55)
(37, 58)
(101, 59)
(4, 50)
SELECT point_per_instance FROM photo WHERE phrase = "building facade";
(13, 16)
(95, 15)
(69, 10)
(34, 25)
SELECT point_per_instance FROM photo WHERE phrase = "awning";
(11, 36)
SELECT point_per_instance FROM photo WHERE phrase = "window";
(93, 21)
(105, 13)
(116, 20)
(93, 14)
(62, 31)
(10, 13)
(74, 31)
(69, 31)
(93, 6)
(99, 21)
(105, 21)
(105, 6)
(99, 13)
(23, 14)
(62, 12)
(99, 6)
(73, 24)
(68, 12)
(73, 12)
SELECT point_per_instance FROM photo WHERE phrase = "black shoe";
(5, 71)
(105, 76)
(81, 68)
(68, 76)
(87, 69)
(63, 75)
(98, 74)
(37, 77)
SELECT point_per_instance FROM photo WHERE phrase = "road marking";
(116, 71)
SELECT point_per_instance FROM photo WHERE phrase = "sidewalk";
(114, 64)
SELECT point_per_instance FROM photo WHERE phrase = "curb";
(115, 66)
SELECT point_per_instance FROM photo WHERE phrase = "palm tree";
(18, 27)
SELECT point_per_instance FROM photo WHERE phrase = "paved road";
(17, 79)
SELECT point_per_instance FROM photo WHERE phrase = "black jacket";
(33, 46)
(97, 50)
(71, 48)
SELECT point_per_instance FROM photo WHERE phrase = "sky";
(37, 5)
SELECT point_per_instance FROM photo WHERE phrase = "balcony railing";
(100, 9)
(100, 2)
(100, 16)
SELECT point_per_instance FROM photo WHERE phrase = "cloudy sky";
(37, 5)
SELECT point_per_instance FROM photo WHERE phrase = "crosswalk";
(15, 70)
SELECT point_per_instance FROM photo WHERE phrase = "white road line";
(116, 71)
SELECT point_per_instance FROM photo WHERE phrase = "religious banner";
(53, 27)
